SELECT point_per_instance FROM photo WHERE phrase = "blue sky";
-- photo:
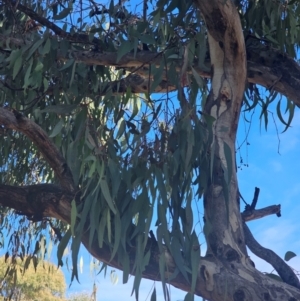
(277, 176)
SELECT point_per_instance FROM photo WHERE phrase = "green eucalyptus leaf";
(57, 129)
(289, 255)
(73, 216)
(107, 195)
(101, 228)
(17, 66)
(126, 47)
(63, 14)
(69, 63)
(62, 246)
(75, 250)
(47, 47)
(126, 267)
(34, 47)
(195, 260)
(273, 276)
(189, 297)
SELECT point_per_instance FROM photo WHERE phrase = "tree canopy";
(117, 118)
(26, 280)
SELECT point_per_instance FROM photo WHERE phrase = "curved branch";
(16, 121)
(283, 270)
(138, 84)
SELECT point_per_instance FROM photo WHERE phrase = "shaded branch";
(11, 119)
(43, 200)
(266, 66)
(279, 73)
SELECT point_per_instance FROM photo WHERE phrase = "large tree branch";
(47, 200)
(227, 50)
(266, 66)
(38, 201)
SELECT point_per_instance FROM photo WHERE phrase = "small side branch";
(255, 198)
(250, 213)
(260, 213)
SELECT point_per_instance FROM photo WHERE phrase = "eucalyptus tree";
(117, 118)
